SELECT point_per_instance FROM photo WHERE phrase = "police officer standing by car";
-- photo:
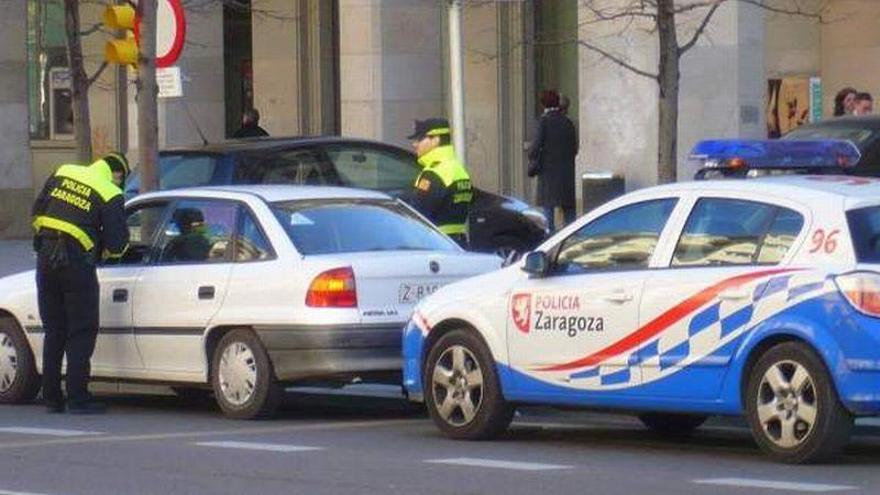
(442, 191)
(79, 218)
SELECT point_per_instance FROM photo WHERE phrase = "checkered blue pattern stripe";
(697, 336)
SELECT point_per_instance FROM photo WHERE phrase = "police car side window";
(725, 232)
(623, 239)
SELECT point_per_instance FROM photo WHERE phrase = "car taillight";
(333, 289)
(862, 290)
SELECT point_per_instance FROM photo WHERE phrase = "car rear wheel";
(462, 391)
(793, 408)
(242, 377)
(673, 424)
(19, 381)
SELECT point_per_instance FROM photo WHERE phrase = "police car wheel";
(242, 377)
(792, 406)
(19, 381)
(462, 392)
(673, 424)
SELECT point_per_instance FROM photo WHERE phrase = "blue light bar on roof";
(718, 153)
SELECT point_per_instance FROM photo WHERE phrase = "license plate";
(413, 293)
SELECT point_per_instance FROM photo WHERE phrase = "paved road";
(339, 445)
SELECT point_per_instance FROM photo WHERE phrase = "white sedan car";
(246, 288)
(750, 297)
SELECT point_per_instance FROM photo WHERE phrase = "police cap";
(430, 127)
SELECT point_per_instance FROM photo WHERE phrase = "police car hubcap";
(787, 405)
(8, 362)
(457, 385)
(238, 373)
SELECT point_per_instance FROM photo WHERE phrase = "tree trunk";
(148, 115)
(79, 83)
(667, 104)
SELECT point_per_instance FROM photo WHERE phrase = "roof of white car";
(270, 193)
(801, 187)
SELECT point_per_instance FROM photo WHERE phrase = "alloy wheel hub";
(8, 362)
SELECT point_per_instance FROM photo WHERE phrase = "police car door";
(178, 294)
(116, 353)
(717, 271)
(573, 327)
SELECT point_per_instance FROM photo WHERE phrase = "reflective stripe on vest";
(453, 228)
(44, 221)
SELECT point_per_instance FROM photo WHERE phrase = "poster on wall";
(788, 104)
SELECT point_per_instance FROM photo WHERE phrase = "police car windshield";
(864, 224)
(348, 226)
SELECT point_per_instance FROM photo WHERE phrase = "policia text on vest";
(79, 216)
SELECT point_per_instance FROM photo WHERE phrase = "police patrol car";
(756, 297)
(243, 289)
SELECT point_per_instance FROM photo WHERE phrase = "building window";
(49, 94)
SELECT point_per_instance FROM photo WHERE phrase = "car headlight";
(536, 215)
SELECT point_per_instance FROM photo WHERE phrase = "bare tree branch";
(796, 11)
(702, 27)
(94, 29)
(619, 61)
(97, 74)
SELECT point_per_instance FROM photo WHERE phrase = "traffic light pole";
(148, 113)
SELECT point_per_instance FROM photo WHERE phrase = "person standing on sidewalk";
(551, 160)
(79, 217)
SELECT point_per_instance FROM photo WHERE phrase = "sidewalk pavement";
(16, 256)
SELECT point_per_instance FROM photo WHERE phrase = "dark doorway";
(556, 49)
(237, 62)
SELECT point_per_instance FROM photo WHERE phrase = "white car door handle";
(619, 296)
(734, 294)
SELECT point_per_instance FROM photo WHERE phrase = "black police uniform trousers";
(68, 293)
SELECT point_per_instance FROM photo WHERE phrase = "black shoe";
(88, 407)
(55, 407)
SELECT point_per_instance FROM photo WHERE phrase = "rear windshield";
(864, 225)
(329, 227)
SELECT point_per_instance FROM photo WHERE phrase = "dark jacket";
(247, 131)
(551, 159)
(83, 203)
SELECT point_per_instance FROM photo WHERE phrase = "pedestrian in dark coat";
(551, 159)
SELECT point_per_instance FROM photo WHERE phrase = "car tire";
(19, 381)
(792, 406)
(462, 391)
(673, 424)
(242, 377)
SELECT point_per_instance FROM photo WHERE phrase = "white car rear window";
(347, 226)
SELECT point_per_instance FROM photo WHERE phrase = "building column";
(391, 66)
(16, 176)
(721, 91)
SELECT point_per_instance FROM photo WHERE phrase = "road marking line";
(341, 425)
(51, 432)
(774, 485)
(492, 463)
(5, 492)
(271, 447)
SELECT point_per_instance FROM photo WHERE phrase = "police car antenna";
(194, 122)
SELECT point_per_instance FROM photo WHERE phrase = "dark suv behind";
(497, 223)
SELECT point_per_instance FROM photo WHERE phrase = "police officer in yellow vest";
(442, 191)
(79, 218)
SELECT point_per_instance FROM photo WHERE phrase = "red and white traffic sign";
(170, 32)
